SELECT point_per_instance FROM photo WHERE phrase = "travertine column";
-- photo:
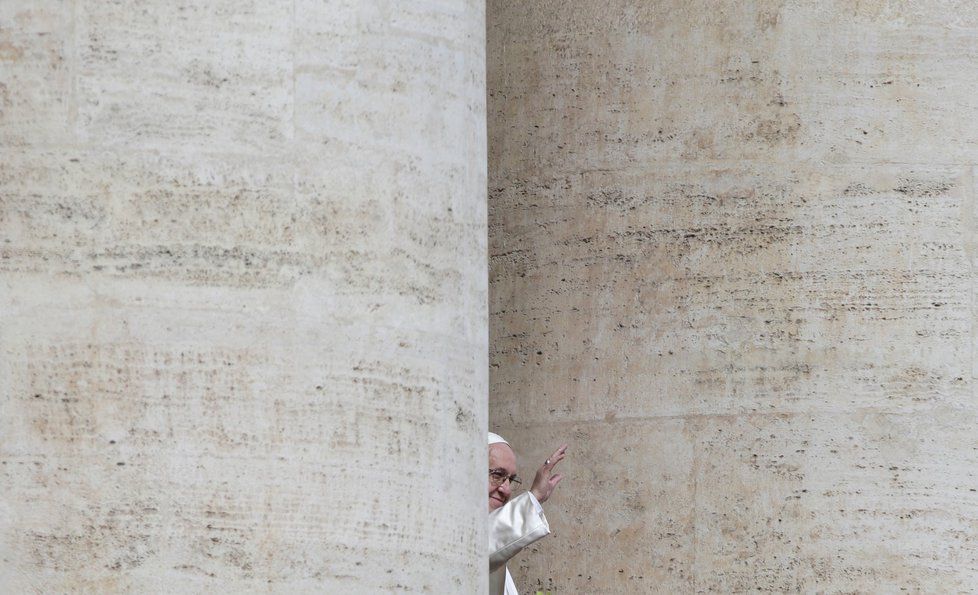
(732, 250)
(242, 296)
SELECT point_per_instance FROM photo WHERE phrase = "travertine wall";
(732, 251)
(242, 296)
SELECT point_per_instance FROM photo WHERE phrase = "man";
(515, 523)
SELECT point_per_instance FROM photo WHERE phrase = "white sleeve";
(513, 526)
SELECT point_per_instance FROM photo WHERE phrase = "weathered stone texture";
(731, 262)
(242, 296)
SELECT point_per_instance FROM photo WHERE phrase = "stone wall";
(732, 250)
(242, 296)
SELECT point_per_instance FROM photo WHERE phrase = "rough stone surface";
(242, 296)
(732, 254)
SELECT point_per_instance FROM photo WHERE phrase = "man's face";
(501, 456)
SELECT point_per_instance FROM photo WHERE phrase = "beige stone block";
(223, 341)
(142, 214)
(755, 219)
(843, 502)
(36, 78)
(367, 81)
(244, 439)
(171, 75)
(724, 290)
(582, 89)
(394, 261)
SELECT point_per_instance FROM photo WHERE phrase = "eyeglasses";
(498, 477)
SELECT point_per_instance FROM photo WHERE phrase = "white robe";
(512, 527)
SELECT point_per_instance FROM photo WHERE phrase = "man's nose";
(506, 488)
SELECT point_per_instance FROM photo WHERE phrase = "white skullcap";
(496, 439)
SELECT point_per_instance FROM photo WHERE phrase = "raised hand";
(545, 481)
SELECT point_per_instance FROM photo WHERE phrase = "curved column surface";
(242, 296)
(732, 263)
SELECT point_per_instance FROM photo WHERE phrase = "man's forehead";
(502, 453)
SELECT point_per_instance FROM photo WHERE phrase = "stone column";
(242, 296)
(732, 250)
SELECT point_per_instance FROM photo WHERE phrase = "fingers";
(555, 480)
(558, 456)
